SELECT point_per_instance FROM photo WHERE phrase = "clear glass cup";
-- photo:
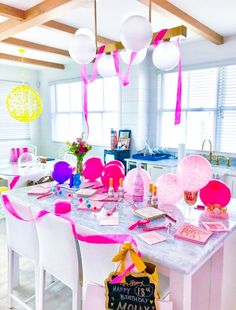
(190, 197)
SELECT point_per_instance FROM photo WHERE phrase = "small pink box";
(62, 206)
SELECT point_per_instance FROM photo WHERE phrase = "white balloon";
(125, 56)
(82, 49)
(87, 32)
(106, 67)
(136, 33)
(166, 56)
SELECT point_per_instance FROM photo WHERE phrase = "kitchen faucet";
(210, 152)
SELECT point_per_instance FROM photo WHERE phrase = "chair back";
(58, 248)
(96, 259)
(22, 236)
(70, 159)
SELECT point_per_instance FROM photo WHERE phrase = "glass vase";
(79, 166)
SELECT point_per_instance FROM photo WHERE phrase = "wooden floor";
(58, 297)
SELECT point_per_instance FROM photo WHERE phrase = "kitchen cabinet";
(155, 168)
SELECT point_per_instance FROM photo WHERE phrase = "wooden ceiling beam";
(52, 24)
(11, 12)
(32, 61)
(37, 15)
(36, 46)
(191, 22)
(172, 32)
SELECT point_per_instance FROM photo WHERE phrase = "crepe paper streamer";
(24, 103)
(94, 239)
(14, 181)
(179, 91)
(159, 37)
(86, 81)
(123, 80)
(62, 206)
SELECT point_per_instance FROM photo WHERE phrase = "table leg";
(216, 279)
(180, 290)
(16, 271)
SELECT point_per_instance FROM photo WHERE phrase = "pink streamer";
(14, 181)
(159, 37)
(179, 92)
(94, 239)
(86, 81)
(124, 81)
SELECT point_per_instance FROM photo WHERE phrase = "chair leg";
(76, 298)
(40, 290)
(10, 278)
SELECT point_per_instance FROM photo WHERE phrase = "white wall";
(15, 73)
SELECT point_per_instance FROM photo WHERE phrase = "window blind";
(10, 129)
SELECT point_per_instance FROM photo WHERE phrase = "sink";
(151, 157)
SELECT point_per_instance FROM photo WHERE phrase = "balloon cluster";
(193, 173)
(94, 168)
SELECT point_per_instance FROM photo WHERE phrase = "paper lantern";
(24, 103)
(194, 172)
(130, 178)
(126, 54)
(168, 189)
(82, 47)
(106, 67)
(166, 56)
(215, 192)
(136, 33)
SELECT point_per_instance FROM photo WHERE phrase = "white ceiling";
(110, 13)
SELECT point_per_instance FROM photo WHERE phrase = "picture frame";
(124, 139)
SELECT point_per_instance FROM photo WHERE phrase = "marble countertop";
(179, 255)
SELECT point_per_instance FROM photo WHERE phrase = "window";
(10, 129)
(208, 109)
(103, 106)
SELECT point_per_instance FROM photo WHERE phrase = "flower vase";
(79, 166)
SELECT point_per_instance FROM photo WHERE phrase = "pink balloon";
(194, 172)
(116, 162)
(130, 177)
(215, 192)
(92, 168)
(112, 171)
(168, 189)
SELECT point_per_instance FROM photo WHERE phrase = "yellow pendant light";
(24, 103)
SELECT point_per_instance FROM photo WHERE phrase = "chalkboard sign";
(138, 292)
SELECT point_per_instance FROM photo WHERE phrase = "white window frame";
(218, 110)
(102, 112)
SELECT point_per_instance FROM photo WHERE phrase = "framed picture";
(124, 139)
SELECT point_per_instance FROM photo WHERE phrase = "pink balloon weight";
(92, 168)
(112, 171)
(215, 192)
(116, 162)
(194, 172)
(168, 189)
(130, 177)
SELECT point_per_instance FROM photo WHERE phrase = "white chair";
(70, 159)
(21, 240)
(58, 256)
(97, 265)
(96, 259)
